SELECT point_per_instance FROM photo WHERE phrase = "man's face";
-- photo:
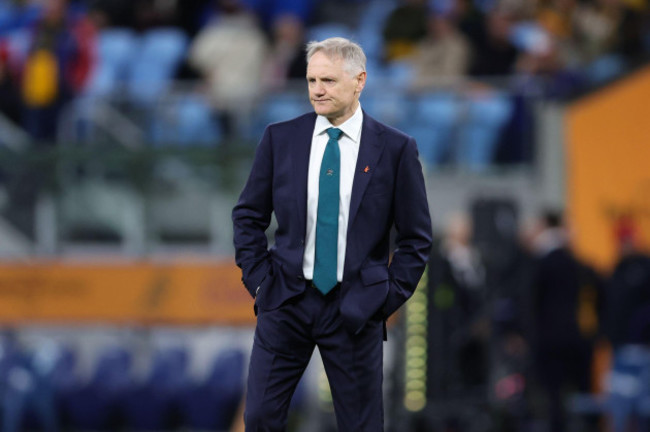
(333, 91)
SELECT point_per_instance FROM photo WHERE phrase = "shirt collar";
(351, 127)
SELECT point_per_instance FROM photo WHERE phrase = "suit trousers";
(285, 339)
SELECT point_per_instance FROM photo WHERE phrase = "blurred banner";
(608, 163)
(174, 292)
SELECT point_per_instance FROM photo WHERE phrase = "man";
(566, 310)
(327, 280)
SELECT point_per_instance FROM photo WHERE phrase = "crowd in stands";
(527, 325)
(52, 52)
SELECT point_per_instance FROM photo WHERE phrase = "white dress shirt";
(349, 147)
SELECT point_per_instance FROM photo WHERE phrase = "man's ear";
(361, 81)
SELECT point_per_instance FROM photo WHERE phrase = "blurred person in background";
(466, 268)
(337, 181)
(598, 37)
(442, 58)
(56, 67)
(148, 14)
(286, 61)
(542, 70)
(115, 13)
(10, 101)
(464, 273)
(494, 55)
(229, 54)
(610, 26)
(629, 289)
(628, 328)
(568, 302)
(404, 28)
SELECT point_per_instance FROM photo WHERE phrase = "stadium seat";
(389, 106)
(94, 405)
(17, 44)
(160, 52)
(116, 48)
(604, 69)
(371, 21)
(34, 382)
(375, 14)
(486, 116)
(435, 117)
(185, 120)
(327, 30)
(153, 403)
(212, 404)
(628, 390)
(372, 42)
(400, 74)
(281, 107)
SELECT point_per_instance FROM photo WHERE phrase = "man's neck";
(338, 121)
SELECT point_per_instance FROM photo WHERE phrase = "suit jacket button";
(301, 278)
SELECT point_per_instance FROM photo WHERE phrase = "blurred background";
(127, 129)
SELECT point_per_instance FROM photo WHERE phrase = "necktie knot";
(334, 133)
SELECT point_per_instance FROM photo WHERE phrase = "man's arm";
(413, 225)
(252, 216)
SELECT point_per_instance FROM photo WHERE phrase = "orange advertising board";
(129, 292)
(608, 162)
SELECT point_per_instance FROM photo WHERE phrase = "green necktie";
(327, 219)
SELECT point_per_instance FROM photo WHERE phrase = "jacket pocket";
(265, 285)
(374, 275)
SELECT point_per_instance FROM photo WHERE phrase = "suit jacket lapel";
(300, 154)
(370, 150)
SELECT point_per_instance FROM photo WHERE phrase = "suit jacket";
(388, 190)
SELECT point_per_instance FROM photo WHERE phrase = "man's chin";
(322, 111)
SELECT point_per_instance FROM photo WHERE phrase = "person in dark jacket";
(567, 299)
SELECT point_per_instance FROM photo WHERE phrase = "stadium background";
(120, 304)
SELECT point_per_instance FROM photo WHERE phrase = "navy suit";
(388, 190)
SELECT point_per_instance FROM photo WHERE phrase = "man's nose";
(319, 88)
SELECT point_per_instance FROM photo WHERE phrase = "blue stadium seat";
(35, 381)
(604, 69)
(17, 43)
(160, 53)
(281, 107)
(116, 48)
(375, 14)
(372, 42)
(94, 405)
(185, 120)
(327, 30)
(530, 36)
(153, 404)
(371, 22)
(389, 106)
(400, 74)
(629, 387)
(435, 118)
(486, 116)
(212, 404)
(7, 15)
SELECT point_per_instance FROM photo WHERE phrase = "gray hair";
(338, 47)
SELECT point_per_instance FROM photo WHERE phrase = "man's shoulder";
(306, 118)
